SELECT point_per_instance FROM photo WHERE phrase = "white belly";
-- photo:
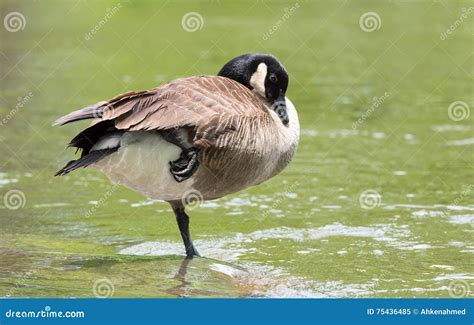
(142, 164)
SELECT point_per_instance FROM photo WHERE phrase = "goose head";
(263, 74)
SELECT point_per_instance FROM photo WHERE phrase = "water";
(380, 206)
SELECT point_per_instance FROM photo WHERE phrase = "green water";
(306, 233)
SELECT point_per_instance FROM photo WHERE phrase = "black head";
(263, 74)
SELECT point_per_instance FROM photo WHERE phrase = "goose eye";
(273, 78)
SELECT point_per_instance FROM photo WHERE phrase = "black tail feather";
(85, 161)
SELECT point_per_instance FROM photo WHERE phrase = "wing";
(210, 105)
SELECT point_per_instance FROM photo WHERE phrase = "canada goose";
(196, 138)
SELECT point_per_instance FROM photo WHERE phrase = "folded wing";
(210, 106)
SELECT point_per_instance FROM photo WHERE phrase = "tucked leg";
(183, 223)
(186, 165)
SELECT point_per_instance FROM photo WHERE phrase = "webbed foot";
(185, 166)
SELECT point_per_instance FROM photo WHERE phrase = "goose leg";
(186, 165)
(183, 223)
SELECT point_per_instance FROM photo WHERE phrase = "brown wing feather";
(122, 102)
(211, 105)
(189, 102)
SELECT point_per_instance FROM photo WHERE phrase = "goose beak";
(279, 107)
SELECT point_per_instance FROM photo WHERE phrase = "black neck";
(239, 69)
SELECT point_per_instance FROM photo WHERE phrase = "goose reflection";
(181, 289)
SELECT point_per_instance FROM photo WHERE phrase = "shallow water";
(378, 207)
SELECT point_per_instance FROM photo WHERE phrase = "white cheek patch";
(258, 79)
